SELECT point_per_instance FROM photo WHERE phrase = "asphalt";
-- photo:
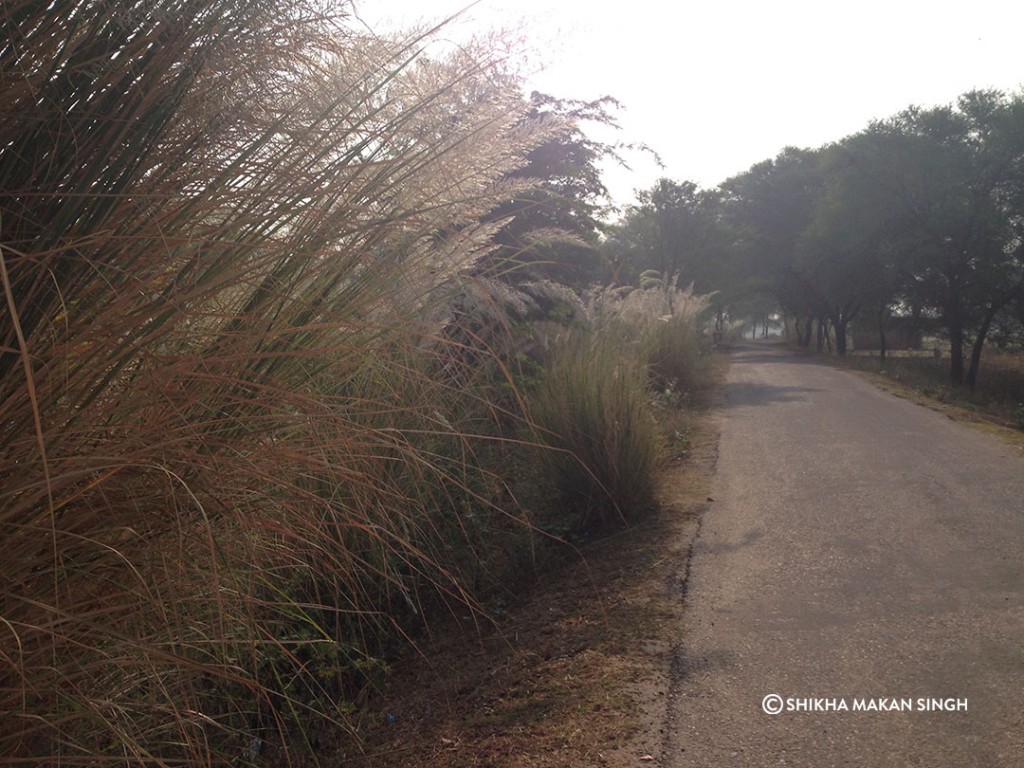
(862, 560)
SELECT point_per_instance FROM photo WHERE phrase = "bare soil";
(577, 673)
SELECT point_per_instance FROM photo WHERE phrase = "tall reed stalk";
(230, 458)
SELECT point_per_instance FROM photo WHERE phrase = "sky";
(715, 86)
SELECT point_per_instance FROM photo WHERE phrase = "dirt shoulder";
(575, 675)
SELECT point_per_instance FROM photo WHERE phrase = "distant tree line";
(915, 221)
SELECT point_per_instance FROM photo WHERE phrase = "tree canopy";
(918, 216)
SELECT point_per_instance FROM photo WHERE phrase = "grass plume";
(229, 466)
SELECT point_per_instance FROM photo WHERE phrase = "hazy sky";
(717, 85)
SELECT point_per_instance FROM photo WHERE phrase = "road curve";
(861, 553)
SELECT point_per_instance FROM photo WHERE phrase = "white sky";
(715, 86)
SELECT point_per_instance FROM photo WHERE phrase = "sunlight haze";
(714, 87)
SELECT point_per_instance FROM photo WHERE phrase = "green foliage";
(554, 226)
(916, 215)
(770, 207)
(949, 182)
(675, 229)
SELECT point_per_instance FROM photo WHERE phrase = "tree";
(843, 251)
(951, 181)
(770, 207)
(552, 229)
(921, 213)
(677, 231)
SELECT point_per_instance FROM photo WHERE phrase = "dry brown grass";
(998, 396)
(230, 470)
(244, 455)
(573, 675)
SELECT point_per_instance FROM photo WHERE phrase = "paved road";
(859, 547)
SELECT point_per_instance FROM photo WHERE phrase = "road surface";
(863, 562)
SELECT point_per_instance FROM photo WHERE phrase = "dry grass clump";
(234, 463)
(592, 407)
(593, 401)
(674, 344)
(249, 439)
(666, 323)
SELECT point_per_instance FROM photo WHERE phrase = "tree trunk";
(824, 337)
(881, 335)
(804, 335)
(956, 355)
(979, 342)
(840, 338)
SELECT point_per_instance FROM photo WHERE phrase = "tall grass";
(592, 407)
(668, 319)
(233, 457)
(594, 396)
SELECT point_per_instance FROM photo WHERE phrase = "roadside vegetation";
(283, 383)
(576, 672)
(593, 400)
